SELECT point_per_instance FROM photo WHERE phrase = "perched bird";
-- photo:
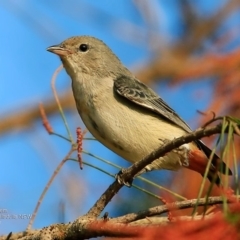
(123, 113)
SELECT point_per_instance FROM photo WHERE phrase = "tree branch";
(130, 172)
(132, 217)
(85, 227)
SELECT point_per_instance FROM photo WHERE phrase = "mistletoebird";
(124, 114)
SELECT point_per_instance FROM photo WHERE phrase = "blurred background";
(187, 51)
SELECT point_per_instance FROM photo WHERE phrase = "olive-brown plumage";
(123, 113)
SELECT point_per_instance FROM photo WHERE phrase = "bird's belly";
(132, 133)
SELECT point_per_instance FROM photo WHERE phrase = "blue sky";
(29, 157)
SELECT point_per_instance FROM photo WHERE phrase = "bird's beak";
(59, 50)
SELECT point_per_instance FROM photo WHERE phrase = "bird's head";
(87, 55)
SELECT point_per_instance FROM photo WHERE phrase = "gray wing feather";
(139, 93)
(142, 95)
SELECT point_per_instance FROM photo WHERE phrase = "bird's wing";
(139, 93)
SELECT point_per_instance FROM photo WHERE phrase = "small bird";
(124, 114)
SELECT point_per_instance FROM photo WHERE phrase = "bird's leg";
(183, 152)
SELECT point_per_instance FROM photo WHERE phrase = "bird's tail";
(217, 163)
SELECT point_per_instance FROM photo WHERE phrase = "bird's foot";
(183, 152)
(121, 181)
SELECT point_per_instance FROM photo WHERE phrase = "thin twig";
(213, 119)
(58, 102)
(47, 187)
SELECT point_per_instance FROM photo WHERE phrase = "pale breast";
(124, 127)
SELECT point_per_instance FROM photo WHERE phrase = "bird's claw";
(121, 181)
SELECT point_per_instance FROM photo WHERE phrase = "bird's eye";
(83, 47)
